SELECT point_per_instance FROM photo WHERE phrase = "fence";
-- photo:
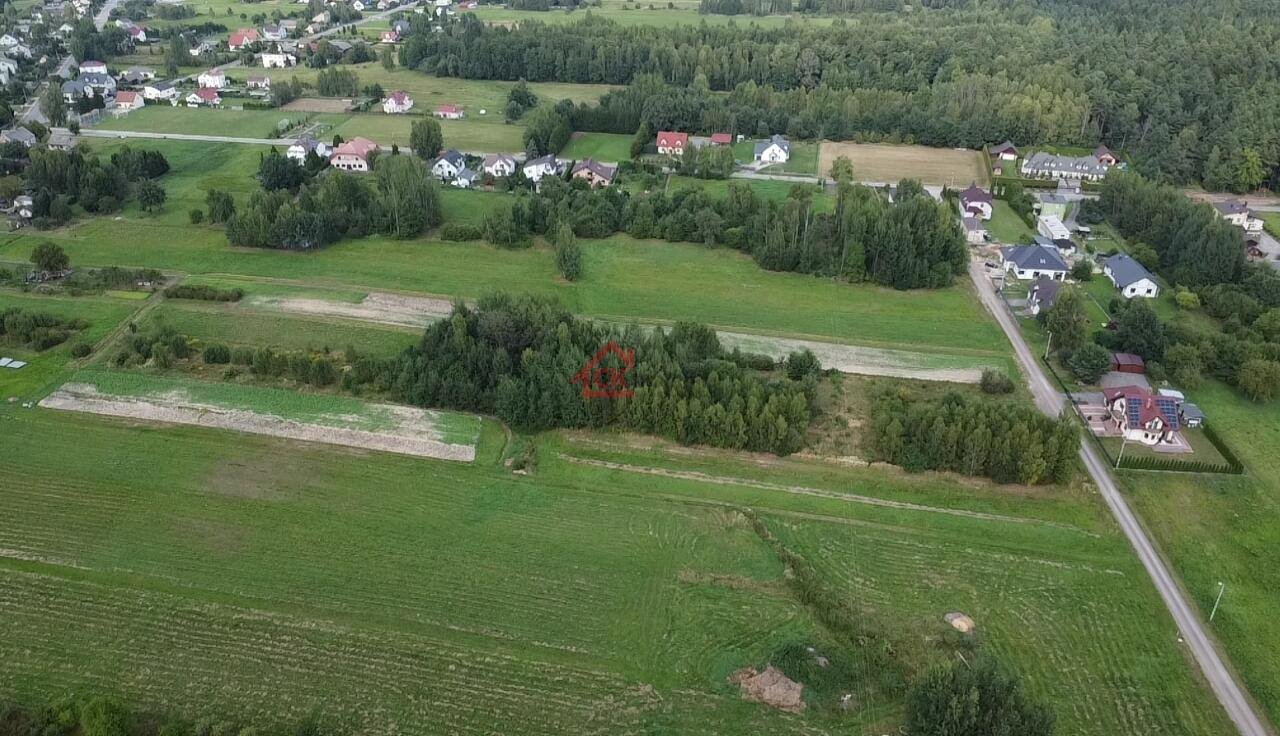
(1233, 466)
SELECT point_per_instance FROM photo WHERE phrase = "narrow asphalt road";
(1229, 692)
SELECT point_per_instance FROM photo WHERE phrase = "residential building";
(1142, 416)
(274, 32)
(1105, 156)
(137, 34)
(721, 139)
(390, 36)
(103, 85)
(212, 79)
(60, 139)
(259, 83)
(1043, 165)
(137, 75)
(449, 112)
(498, 165)
(73, 90)
(93, 67)
(1237, 213)
(1065, 246)
(1054, 204)
(204, 97)
(1051, 227)
(449, 165)
(671, 143)
(594, 173)
(775, 150)
(1004, 152)
(160, 91)
(1043, 294)
(466, 179)
(242, 38)
(353, 155)
(277, 60)
(975, 233)
(397, 102)
(976, 202)
(1034, 261)
(1130, 277)
(128, 101)
(537, 168)
(18, 134)
(306, 144)
(402, 27)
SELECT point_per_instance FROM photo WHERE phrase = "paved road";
(100, 20)
(367, 19)
(96, 133)
(1229, 692)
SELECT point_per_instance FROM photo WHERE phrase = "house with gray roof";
(1042, 165)
(775, 150)
(18, 134)
(1237, 213)
(1033, 262)
(449, 165)
(1043, 294)
(1130, 277)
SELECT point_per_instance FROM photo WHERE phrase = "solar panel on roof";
(1169, 408)
(1132, 408)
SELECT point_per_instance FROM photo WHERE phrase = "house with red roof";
(1142, 416)
(671, 143)
(128, 100)
(721, 139)
(391, 36)
(243, 37)
(353, 155)
(449, 112)
(204, 97)
(397, 102)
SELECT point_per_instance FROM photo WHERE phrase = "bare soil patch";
(319, 104)
(770, 687)
(415, 434)
(391, 309)
(886, 163)
(853, 358)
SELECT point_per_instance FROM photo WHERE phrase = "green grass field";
(268, 581)
(207, 121)
(1006, 227)
(609, 147)
(1271, 221)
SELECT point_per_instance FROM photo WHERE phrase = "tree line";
(59, 179)
(912, 242)
(517, 356)
(1126, 75)
(998, 439)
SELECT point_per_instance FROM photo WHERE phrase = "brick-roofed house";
(204, 97)
(353, 155)
(671, 143)
(242, 38)
(128, 100)
(976, 202)
(594, 173)
(449, 112)
(93, 67)
(1142, 416)
(397, 102)
(1130, 277)
(721, 139)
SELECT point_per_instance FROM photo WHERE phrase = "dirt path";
(381, 307)
(414, 435)
(807, 491)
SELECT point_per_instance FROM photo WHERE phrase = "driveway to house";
(94, 133)
(1221, 680)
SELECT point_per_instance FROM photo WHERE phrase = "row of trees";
(913, 242)
(1126, 75)
(517, 357)
(1001, 440)
(401, 200)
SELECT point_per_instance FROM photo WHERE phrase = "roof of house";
(73, 87)
(454, 157)
(1044, 291)
(1064, 243)
(1053, 198)
(400, 97)
(779, 141)
(1007, 146)
(243, 36)
(1036, 257)
(60, 137)
(18, 135)
(359, 147)
(1042, 161)
(126, 97)
(1101, 151)
(547, 160)
(467, 174)
(672, 139)
(1125, 270)
(213, 73)
(96, 79)
(721, 138)
(1191, 412)
(306, 143)
(1141, 406)
(445, 108)
(207, 94)
(973, 225)
(604, 171)
(1232, 207)
(494, 159)
(137, 31)
(975, 193)
(162, 86)
(1120, 359)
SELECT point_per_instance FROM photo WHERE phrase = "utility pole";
(1046, 346)
(1221, 587)
(1124, 440)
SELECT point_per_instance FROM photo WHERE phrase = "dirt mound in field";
(770, 687)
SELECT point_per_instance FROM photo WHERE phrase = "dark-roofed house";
(594, 173)
(976, 202)
(18, 134)
(1105, 156)
(306, 144)
(1043, 294)
(1130, 277)
(449, 165)
(1004, 152)
(1191, 414)
(466, 178)
(1143, 416)
(975, 233)
(498, 164)
(776, 150)
(1034, 261)
(1237, 213)
(535, 169)
(1050, 166)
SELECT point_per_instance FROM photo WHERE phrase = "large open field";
(882, 162)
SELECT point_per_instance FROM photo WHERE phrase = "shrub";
(1082, 271)
(204, 292)
(242, 356)
(197, 216)
(81, 350)
(1089, 362)
(802, 363)
(996, 382)
(217, 354)
(460, 232)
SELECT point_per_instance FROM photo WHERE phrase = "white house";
(542, 166)
(1130, 277)
(128, 101)
(466, 179)
(1238, 213)
(353, 155)
(498, 165)
(212, 79)
(449, 165)
(242, 38)
(671, 143)
(1051, 227)
(93, 67)
(397, 102)
(204, 97)
(260, 83)
(449, 112)
(160, 91)
(274, 32)
(306, 144)
(1004, 152)
(1142, 416)
(1034, 261)
(776, 150)
(277, 60)
(1050, 166)
(976, 202)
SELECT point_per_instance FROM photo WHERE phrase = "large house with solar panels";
(1142, 416)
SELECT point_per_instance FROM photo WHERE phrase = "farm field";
(205, 121)
(517, 596)
(609, 147)
(882, 162)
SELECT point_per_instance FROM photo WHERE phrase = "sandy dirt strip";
(415, 434)
(413, 311)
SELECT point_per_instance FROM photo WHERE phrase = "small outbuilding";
(1128, 363)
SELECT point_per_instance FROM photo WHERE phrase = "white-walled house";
(537, 168)
(204, 97)
(212, 79)
(976, 202)
(449, 165)
(1238, 213)
(1142, 416)
(306, 144)
(775, 150)
(449, 112)
(397, 102)
(353, 155)
(1033, 262)
(274, 60)
(1130, 277)
(156, 91)
(498, 165)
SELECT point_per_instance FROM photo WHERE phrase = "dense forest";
(1180, 105)
(913, 242)
(515, 357)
